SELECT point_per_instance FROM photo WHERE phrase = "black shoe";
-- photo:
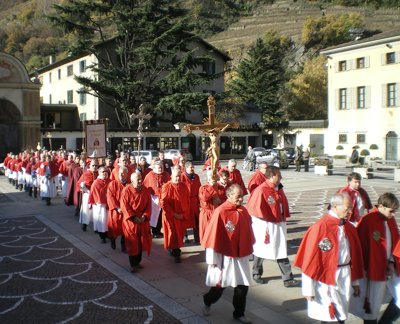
(178, 259)
(123, 248)
(84, 227)
(103, 240)
(158, 235)
(258, 279)
(291, 283)
(113, 246)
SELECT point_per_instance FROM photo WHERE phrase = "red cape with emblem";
(255, 180)
(321, 265)
(229, 231)
(372, 234)
(265, 202)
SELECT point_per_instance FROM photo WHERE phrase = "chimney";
(52, 59)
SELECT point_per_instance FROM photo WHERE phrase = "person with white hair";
(330, 258)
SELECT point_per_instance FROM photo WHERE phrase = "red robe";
(321, 265)
(236, 177)
(137, 236)
(98, 191)
(372, 234)
(87, 178)
(265, 202)
(355, 216)
(193, 186)
(64, 168)
(174, 199)
(255, 180)
(52, 166)
(154, 181)
(114, 224)
(207, 194)
(229, 231)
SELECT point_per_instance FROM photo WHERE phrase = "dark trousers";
(306, 165)
(391, 314)
(284, 266)
(239, 298)
(134, 260)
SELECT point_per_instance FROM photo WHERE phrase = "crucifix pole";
(212, 128)
(141, 117)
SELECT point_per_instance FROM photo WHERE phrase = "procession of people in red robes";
(349, 259)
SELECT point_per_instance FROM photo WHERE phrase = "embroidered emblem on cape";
(376, 235)
(325, 244)
(230, 227)
(271, 200)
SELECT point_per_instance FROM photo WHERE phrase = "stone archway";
(19, 106)
(10, 118)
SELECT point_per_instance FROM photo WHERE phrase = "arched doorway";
(19, 107)
(391, 146)
(9, 127)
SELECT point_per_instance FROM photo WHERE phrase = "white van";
(148, 154)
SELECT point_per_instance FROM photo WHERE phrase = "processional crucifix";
(141, 117)
(212, 128)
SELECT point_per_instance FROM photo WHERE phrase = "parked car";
(148, 154)
(173, 153)
(269, 157)
(290, 153)
(259, 151)
(275, 157)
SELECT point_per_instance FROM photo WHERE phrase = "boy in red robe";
(378, 233)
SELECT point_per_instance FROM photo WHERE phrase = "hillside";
(287, 17)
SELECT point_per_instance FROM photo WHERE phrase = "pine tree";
(149, 61)
(261, 76)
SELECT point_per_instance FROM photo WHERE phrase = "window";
(342, 138)
(360, 138)
(390, 58)
(360, 97)
(59, 74)
(82, 98)
(391, 95)
(360, 62)
(50, 77)
(70, 96)
(209, 67)
(82, 66)
(82, 116)
(342, 66)
(342, 98)
(70, 70)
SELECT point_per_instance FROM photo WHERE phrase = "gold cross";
(212, 128)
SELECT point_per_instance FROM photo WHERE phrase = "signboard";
(95, 138)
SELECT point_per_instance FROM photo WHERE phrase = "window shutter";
(397, 94)
(397, 57)
(384, 95)
(350, 65)
(367, 96)
(383, 59)
(366, 61)
(351, 102)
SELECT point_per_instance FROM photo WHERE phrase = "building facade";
(364, 96)
(61, 101)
